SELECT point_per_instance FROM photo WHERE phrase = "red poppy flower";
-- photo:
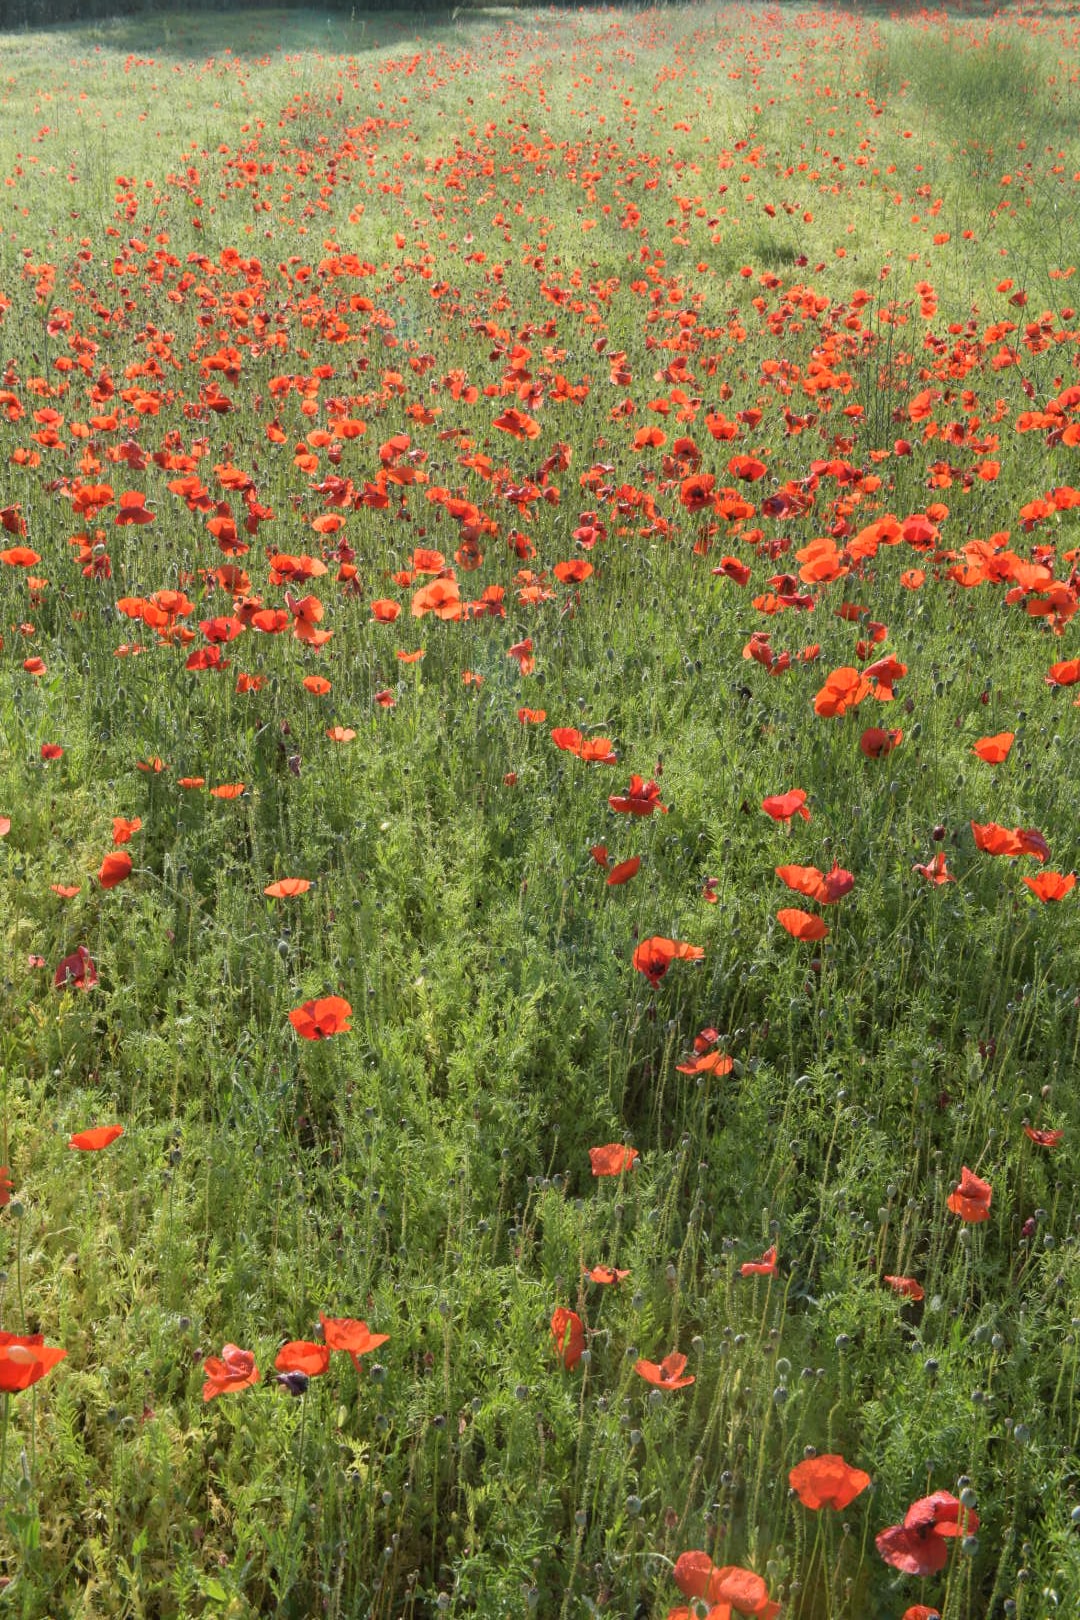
(1044, 1138)
(640, 799)
(802, 924)
(532, 717)
(51, 751)
(876, 742)
(919, 1546)
(286, 888)
(782, 806)
(612, 1159)
(606, 1276)
(122, 828)
(666, 1374)
(654, 956)
(568, 1331)
(299, 1355)
(191, 782)
(843, 689)
(5, 826)
(76, 972)
(697, 1576)
(994, 749)
(235, 1369)
(971, 1199)
(341, 734)
(624, 871)
(24, 1359)
(707, 1063)
(920, 1611)
(1051, 885)
(765, 1267)
(907, 1288)
(114, 870)
(316, 684)
(349, 1334)
(93, 1140)
(572, 741)
(6, 1186)
(935, 871)
(385, 611)
(827, 1481)
(316, 1020)
(228, 790)
(1064, 674)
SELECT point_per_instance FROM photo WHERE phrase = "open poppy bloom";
(935, 871)
(287, 888)
(349, 1334)
(316, 1020)
(24, 1359)
(802, 924)
(921, 1611)
(993, 750)
(782, 806)
(114, 870)
(654, 956)
(640, 799)
(707, 1063)
(624, 871)
(971, 1199)
(667, 1374)
(572, 741)
(765, 1267)
(568, 1331)
(123, 827)
(1051, 885)
(300, 1355)
(612, 1159)
(76, 972)
(843, 689)
(1044, 1138)
(907, 1288)
(605, 1276)
(995, 840)
(93, 1140)
(827, 1481)
(825, 888)
(234, 1369)
(920, 1546)
(697, 1576)
(876, 742)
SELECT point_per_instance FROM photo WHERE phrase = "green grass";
(365, 206)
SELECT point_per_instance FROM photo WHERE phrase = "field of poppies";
(540, 971)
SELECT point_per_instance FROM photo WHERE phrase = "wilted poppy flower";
(24, 1358)
(568, 1331)
(299, 1355)
(1044, 1138)
(765, 1267)
(971, 1199)
(605, 1276)
(1051, 885)
(654, 956)
(907, 1288)
(316, 1020)
(666, 1374)
(93, 1140)
(612, 1159)
(114, 870)
(349, 1334)
(994, 749)
(286, 888)
(802, 924)
(76, 972)
(234, 1369)
(875, 742)
(827, 1481)
(697, 1576)
(782, 806)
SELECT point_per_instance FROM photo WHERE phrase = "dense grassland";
(493, 455)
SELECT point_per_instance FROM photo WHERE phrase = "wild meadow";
(538, 815)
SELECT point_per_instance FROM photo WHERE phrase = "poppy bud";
(295, 1382)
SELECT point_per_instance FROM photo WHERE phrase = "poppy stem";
(299, 1463)
(3, 1443)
